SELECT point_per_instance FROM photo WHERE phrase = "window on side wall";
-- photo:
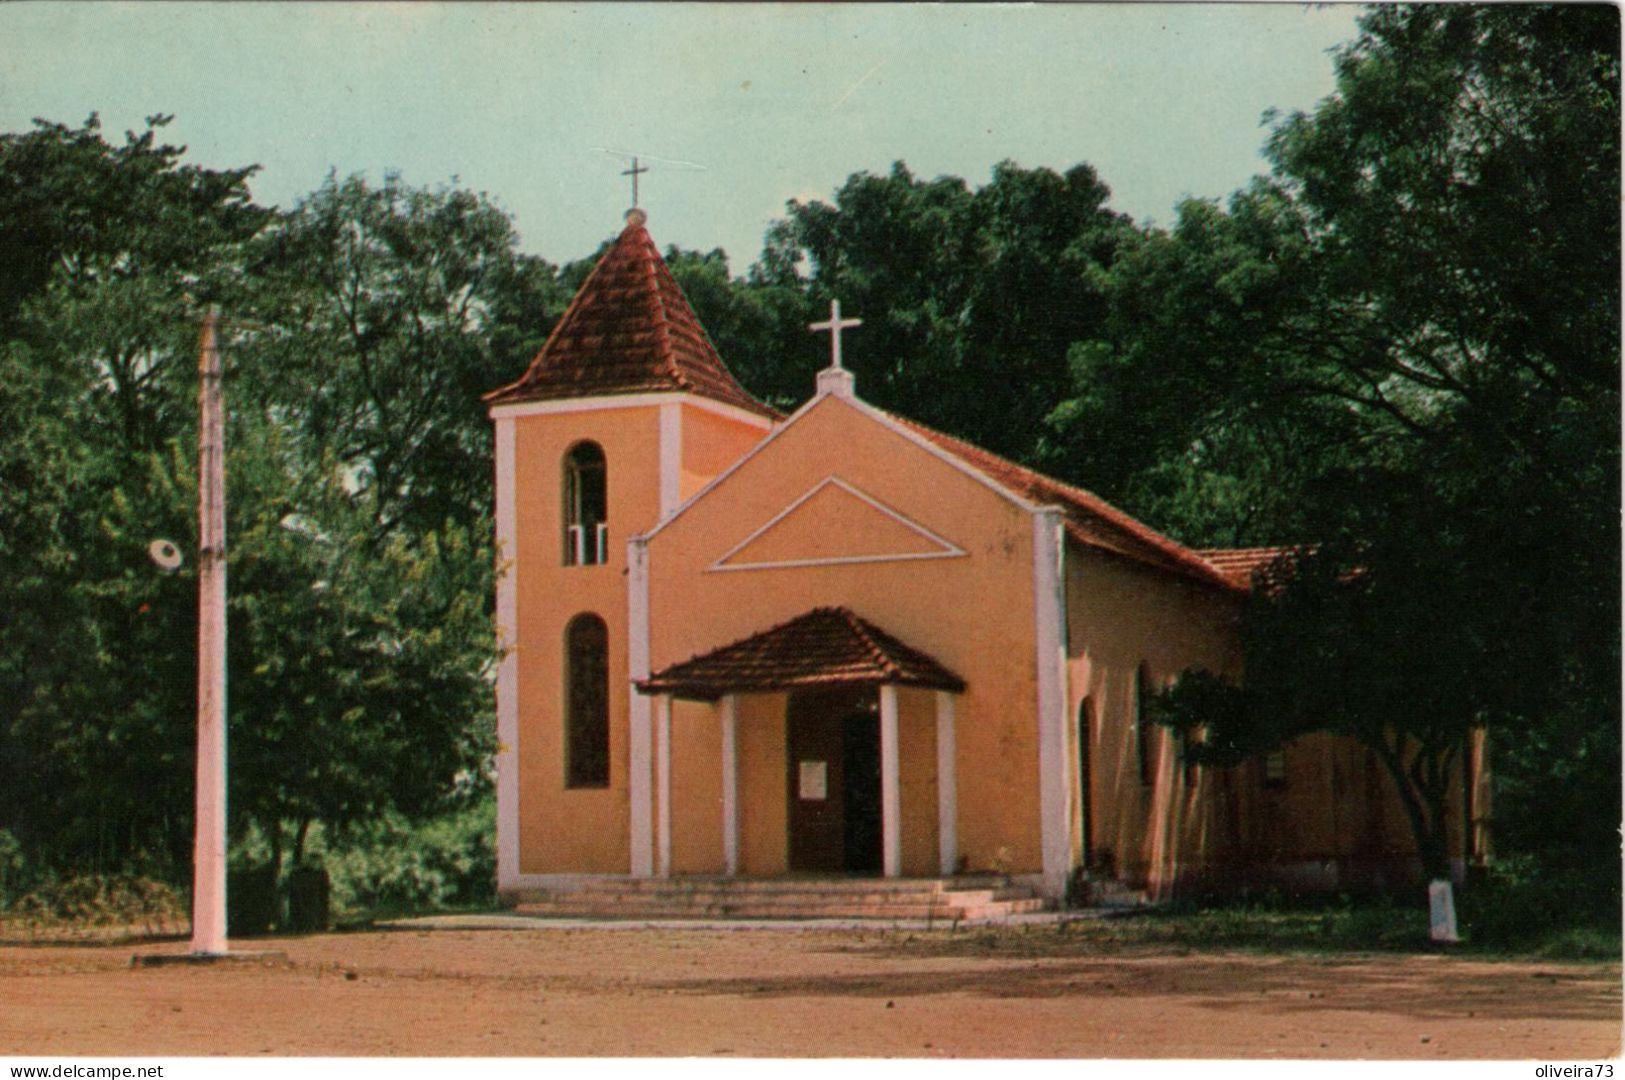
(1273, 770)
(1142, 724)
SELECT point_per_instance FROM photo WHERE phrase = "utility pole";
(209, 854)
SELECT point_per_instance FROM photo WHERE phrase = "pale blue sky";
(774, 100)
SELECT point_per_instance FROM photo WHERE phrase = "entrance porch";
(834, 753)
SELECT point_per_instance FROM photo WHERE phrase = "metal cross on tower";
(634, 172)
(834, 324)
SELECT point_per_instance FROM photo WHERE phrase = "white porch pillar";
(663, 782)
(891, 801)
(730, 783)
(947, 786)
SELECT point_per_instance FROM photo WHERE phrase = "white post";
(1049, 614)
(663, 781)
(507, 759)
(209, 853)
(639, 710)
(947, 786)
(730, 783)
(891, 802)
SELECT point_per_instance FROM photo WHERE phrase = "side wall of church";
(563, 829)
(973, 612)
(1330, 819)
(1148, 824)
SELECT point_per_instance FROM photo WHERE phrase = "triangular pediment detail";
(834, 523)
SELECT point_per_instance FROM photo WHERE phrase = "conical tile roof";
(629, 330)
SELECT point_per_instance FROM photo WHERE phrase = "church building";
(741, 645)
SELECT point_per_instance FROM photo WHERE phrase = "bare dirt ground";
(781, 993)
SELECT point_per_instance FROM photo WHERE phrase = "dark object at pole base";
(263, 956)
(251, 905)
(308, 900)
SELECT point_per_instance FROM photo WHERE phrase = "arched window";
(586, 506)
(586, 702)
(1142, 725)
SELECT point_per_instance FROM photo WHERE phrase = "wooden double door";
(834, 781)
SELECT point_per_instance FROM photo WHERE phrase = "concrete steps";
(931, 899)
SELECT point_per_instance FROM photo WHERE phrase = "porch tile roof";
(629, 330)
(827, 646)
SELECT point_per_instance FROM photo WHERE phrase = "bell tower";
(626, 411)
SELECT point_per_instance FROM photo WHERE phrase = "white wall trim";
(639, 798)
(627, 401)
(837, 560)
(663, 783)
(1049, 619)
(947, 549)
(947, 786)
(730, 784)
(671, 457)
(507, 688)
(891, 801)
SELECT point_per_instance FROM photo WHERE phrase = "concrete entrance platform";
(506, 921)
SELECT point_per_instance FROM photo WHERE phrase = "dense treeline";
(1400, 347)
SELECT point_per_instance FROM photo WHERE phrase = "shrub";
(1526, 904)
(102, 900)
(448, 861)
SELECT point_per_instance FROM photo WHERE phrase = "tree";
(388, 312)
(970, 299)
(1468, 573)
(109, 251)
(360, 642)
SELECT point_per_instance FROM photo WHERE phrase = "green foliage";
(391, 865)
(1529, 905)
(385, 313)
(360, 569)
(89, 902)
(969, 299)
(1427, 298)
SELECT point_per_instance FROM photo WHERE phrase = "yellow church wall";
(565, 830)
(711, 443)
(972, 612)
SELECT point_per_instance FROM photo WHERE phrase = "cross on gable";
(834, 324)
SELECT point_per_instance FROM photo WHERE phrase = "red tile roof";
(1243, 565)
(828, 646)
(629, 330)
(1088, 519)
